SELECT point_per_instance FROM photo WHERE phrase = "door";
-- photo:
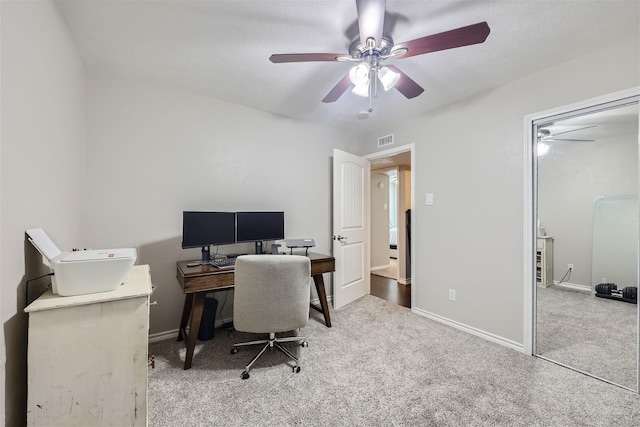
(586, 212)
(351, 227)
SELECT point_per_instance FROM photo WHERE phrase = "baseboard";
(404, 280)
(471, 330)
(316, 302)
(573, 286)
(173, 334)
(161, 336)
(379, 267)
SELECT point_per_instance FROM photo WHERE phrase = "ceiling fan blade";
(370, 20)
(406, 85)
(463, 36)
(305, 57)
(338, 90)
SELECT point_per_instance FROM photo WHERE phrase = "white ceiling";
(221, 49)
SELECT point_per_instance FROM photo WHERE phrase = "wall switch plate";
(429, 199)
(452, 295)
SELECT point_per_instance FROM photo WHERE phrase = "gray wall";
(153, 152)
(471, 156)
(42, 168)
(569, 178)
(379, 220)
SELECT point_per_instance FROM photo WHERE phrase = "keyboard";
(224, 262)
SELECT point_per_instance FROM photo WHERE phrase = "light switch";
(429, 200)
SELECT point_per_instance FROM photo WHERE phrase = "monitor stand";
(206, 255)
(206, 258)
(259, 248)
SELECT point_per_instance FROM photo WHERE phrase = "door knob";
(339, 238)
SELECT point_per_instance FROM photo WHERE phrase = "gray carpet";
(592, 334)
(379, 365)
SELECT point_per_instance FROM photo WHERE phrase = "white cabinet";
(544, 261)
(87, 356)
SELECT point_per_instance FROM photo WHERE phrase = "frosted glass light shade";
(361, 89)
(388, 78)
(360, 74)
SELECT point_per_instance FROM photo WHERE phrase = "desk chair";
(271, 295)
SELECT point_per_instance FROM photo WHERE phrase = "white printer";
(83, 272)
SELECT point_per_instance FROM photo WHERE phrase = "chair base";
(271, 342)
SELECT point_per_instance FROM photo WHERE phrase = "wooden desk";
(197, 281)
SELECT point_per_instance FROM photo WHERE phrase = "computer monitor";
(259, 227)
(203, 229)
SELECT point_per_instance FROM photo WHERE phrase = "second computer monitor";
(259, 227)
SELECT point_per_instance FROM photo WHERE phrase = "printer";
(83, 272)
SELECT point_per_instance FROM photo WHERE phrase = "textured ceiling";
(221, 49)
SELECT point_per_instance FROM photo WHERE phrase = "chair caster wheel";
(304, 344)
(245, 375)
(234, 350)
(296, 369)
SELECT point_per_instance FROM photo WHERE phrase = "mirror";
(587, 241)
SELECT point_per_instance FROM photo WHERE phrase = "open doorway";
(391, 226)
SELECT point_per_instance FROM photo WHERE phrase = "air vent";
(383, 141)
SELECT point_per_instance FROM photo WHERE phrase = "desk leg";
(186, 313)
(196, 317)
(322, 296)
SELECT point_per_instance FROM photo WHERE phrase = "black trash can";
(207, 325)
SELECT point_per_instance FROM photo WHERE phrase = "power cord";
(228, 326)
(568, 273)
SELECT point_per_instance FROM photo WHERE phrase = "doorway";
(391, 197)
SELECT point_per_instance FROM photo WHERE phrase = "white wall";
(42, 169)
(472, 238)
(154, 152)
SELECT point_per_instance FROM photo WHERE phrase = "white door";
(351, 227)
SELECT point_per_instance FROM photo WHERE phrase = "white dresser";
(87, 356)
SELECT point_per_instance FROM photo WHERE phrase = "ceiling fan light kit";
(373, 46)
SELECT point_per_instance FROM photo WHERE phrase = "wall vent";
(383, 141)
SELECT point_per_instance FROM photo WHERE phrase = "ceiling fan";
(373, 46)
(546, 135)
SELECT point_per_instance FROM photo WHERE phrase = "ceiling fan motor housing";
(358, 50)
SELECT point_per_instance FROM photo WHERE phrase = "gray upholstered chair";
(271, 296)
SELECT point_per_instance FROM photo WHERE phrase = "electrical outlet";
(570, 267)
(604, 280)
(452, 295)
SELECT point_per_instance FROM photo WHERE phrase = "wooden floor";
(391, 290)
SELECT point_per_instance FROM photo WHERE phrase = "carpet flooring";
(592, 334)
(379, 365)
